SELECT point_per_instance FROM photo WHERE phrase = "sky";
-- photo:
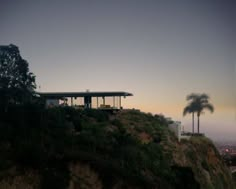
(159, 50)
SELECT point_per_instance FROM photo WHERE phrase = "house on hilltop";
(89, 99)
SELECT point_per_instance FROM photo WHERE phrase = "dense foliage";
(234, 177)
(47, 139)
(17, 83)
(130, 147)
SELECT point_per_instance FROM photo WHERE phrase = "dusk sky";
(159, 50)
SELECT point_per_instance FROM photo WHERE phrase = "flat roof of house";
(83, 94)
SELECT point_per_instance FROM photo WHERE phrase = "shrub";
(116, 122)
(56, 175)
(98, 115)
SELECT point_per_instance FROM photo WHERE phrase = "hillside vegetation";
(67, 148)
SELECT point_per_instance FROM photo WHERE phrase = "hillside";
(66, 148)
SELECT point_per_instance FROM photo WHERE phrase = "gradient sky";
(160, 50)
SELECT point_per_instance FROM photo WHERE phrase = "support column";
(113, 102)
(97, 102)
(64, 101)
(88, 101)
(71, 101)
(120, 101)
(103, 100)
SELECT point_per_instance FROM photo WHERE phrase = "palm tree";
(190, 108)
(198, 103)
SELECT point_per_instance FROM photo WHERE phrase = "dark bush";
(184, 178)
(98, 115)
(55, 175)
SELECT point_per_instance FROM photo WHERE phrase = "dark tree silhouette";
(189, 109)
(198, 103)
(17, 83)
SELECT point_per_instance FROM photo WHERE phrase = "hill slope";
(67, 148)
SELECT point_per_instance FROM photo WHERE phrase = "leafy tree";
(17, 83)
(198, 103)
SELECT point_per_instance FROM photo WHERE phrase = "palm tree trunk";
(198, 122)
(193, 122)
